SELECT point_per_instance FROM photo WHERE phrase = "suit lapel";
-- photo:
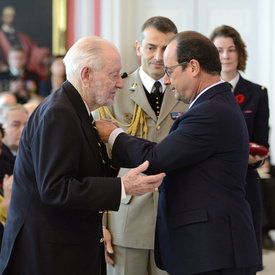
(138, 95)
(140, 98)
(84, 117)
(242, 93)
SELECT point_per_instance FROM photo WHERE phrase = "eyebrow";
(150, 44)
(233, 46)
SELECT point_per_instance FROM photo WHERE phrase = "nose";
(120, 83)
(159, 54)
(224, 54)
(166, 80)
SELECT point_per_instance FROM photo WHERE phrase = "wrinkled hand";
(255, 159)
(105, 127)
(108, 246)
(138, 185)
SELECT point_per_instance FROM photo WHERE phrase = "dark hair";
(160, 23)
(16, 49)
(2, 130)
(193, 45)
(227, 31)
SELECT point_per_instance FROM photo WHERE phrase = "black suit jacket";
(204, 222)
(54, 219)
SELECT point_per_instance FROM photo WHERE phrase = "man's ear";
(138, 45)
(195, 66)
(85, 75)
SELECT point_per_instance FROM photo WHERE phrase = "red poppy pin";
(240, 98)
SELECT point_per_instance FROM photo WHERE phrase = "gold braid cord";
(137, 120)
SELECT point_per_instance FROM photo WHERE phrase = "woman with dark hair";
(253, 101)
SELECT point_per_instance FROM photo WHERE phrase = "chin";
(110, 102)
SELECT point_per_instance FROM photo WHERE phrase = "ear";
(195, 66)
(85, 75)
(138, 45)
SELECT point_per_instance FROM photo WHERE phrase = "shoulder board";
(263, 87)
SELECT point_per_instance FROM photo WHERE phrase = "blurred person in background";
(37, 57)
(56, 78)
(13, 118)
(18, 79)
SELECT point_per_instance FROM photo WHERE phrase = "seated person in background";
(4, 200)
(57, 77)
(13, 118)
(18, 80)
(7, 98)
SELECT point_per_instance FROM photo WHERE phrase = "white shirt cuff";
(114, 135)
(123, 193)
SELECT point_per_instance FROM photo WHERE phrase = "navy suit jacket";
(204, 222)
(59, 190)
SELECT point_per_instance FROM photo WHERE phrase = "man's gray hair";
(87, 51)
(5, 109)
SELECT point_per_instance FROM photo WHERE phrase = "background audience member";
(5, 199)
(37, 57)
(253, 101)
(132, 228)
(7, 98)
(17, 79)
(57, 77)
(13, 118)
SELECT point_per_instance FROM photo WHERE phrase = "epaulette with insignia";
(263, 87)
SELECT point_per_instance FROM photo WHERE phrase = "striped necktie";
(101, 147)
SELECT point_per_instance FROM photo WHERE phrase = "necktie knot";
(157, 88)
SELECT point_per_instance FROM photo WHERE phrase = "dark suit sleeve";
(260, 127)
(66, 167)
(191, 142)
(201, 133)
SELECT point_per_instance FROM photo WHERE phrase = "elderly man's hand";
(105, 127)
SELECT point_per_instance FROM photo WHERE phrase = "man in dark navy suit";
(62, 177)
(204, 223)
